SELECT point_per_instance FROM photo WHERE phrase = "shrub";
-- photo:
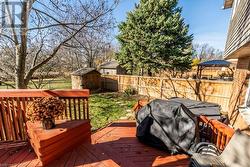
(130, 91)
(45, 108)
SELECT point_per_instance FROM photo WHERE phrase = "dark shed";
(86, 78)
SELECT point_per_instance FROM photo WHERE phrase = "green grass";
(56, 84)
(51, 84)
(108, 107)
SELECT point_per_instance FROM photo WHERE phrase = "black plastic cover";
(167, 125)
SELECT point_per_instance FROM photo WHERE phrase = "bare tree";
(47, 73)
(92, 47)
(92, 44)
(45, 27)
(91, 54)
(204, 52)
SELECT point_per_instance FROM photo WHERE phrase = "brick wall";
(244, 63)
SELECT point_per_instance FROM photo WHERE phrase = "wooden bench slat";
(79, 108)
(74, 106)
(84, 110)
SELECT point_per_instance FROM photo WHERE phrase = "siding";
(113, 71)
(108, 71)
(239, 30)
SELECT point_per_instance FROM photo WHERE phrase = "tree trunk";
(90, 63)
(20, 69)
(150, 73)
(21, 50)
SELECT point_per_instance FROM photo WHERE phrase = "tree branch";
(15, 40)
(7, 73)
(33, 69)
(8, 37)
(36, 55)
(58, 23)
(7, 84)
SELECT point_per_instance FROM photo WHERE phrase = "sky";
(207, 20)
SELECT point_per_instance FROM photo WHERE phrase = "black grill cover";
(210, 110)
(167, 125)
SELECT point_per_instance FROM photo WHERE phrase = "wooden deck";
(113, 146)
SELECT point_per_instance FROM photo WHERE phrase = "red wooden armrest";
(215, 131)
(140, 104)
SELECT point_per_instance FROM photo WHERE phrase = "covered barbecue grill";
(167, 125)
(172, 124)
(211, 110)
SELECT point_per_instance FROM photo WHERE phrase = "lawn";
(108, 107)
(56, 84)
(50, 84)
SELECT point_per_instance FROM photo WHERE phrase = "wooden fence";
(156, 87)
(13, 107)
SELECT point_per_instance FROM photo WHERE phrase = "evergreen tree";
(153, 37)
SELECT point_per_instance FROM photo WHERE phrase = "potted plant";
(45, 110)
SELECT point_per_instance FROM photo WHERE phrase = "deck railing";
(13, 108)
(215, 132)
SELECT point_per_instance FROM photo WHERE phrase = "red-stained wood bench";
(209, 130)
(50, 144)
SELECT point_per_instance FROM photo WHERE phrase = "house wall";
(244, 63)
(238, 40)
(238, 94)
(238, 47)
(108, 71)
(113, 71)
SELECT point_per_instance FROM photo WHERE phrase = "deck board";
(113, 146)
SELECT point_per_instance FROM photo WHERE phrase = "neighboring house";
(112, 68)
(86, 78)
(238, 47)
